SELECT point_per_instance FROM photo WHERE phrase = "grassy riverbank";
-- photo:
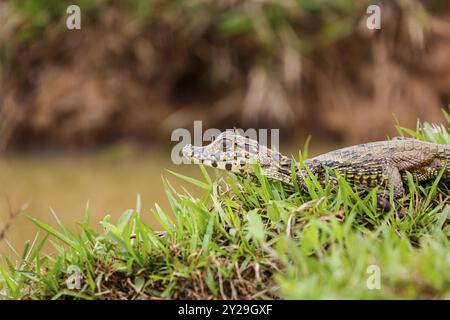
(251, 240)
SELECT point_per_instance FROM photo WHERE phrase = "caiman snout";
(187, 151)
(194, 154)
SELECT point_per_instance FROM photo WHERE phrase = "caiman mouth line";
(233, 152)
(200, 155)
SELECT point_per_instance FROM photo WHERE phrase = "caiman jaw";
(230, 152)
(236, 153)
(199, 155)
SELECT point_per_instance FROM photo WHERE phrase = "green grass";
(248, 240)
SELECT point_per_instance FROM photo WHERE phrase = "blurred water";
(66, 184)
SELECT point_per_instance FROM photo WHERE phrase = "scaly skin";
(368, 165)
(386, 162)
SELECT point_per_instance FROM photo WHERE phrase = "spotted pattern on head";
(236, 153)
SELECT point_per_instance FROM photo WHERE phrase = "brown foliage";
(116, 79)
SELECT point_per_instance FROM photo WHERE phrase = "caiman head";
(233, 152)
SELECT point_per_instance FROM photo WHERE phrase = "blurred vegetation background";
(139, 69)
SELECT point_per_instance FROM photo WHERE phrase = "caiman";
(368, 165)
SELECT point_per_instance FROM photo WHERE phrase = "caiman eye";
(276, 156)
